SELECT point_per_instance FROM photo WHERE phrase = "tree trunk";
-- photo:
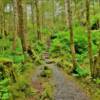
(53, 13)
(71, 33)
(37, 20)
(94, 7)
(66, 13)
(89, 36)
(21, 30)
(15, 24)
(32, 14)
(1, 19)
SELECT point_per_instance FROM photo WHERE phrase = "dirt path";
(65, 89)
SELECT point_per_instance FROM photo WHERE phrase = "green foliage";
(96, 37)
(18, 58)
(64, 63)
(80, 45)
(60, 42)
(81, 57)
(46, 31)
(97, 80)
(19, 68)
(81, 72)
(4, 90)
(21, 88)
(39, 47)
(95, 18)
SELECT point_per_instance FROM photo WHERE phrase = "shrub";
(81, 72)
(4, 90)
(39, 47)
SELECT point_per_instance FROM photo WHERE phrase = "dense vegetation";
(65, 32)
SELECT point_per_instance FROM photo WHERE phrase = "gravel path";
(65, 89)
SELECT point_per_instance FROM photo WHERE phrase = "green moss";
(4, 60)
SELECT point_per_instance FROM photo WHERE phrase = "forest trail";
(65, 89)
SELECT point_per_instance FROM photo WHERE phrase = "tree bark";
(37, 20)
(66, 13)
(15, 17)
(21, 30)
(71, 33)
(32, 14)
(89, 36)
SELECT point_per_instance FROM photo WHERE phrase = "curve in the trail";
(65, 89)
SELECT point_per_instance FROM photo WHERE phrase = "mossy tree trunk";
(21, 29)
(89, 36)
(38, 19)
(32, 15)
(72, 46)
(15, 17)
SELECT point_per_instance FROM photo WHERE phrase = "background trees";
(35, 18)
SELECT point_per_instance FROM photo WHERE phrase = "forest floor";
(64, 87)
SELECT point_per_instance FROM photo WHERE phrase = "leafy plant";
(80, 72)
(39, 47)
(97, 80)
(4, 90)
